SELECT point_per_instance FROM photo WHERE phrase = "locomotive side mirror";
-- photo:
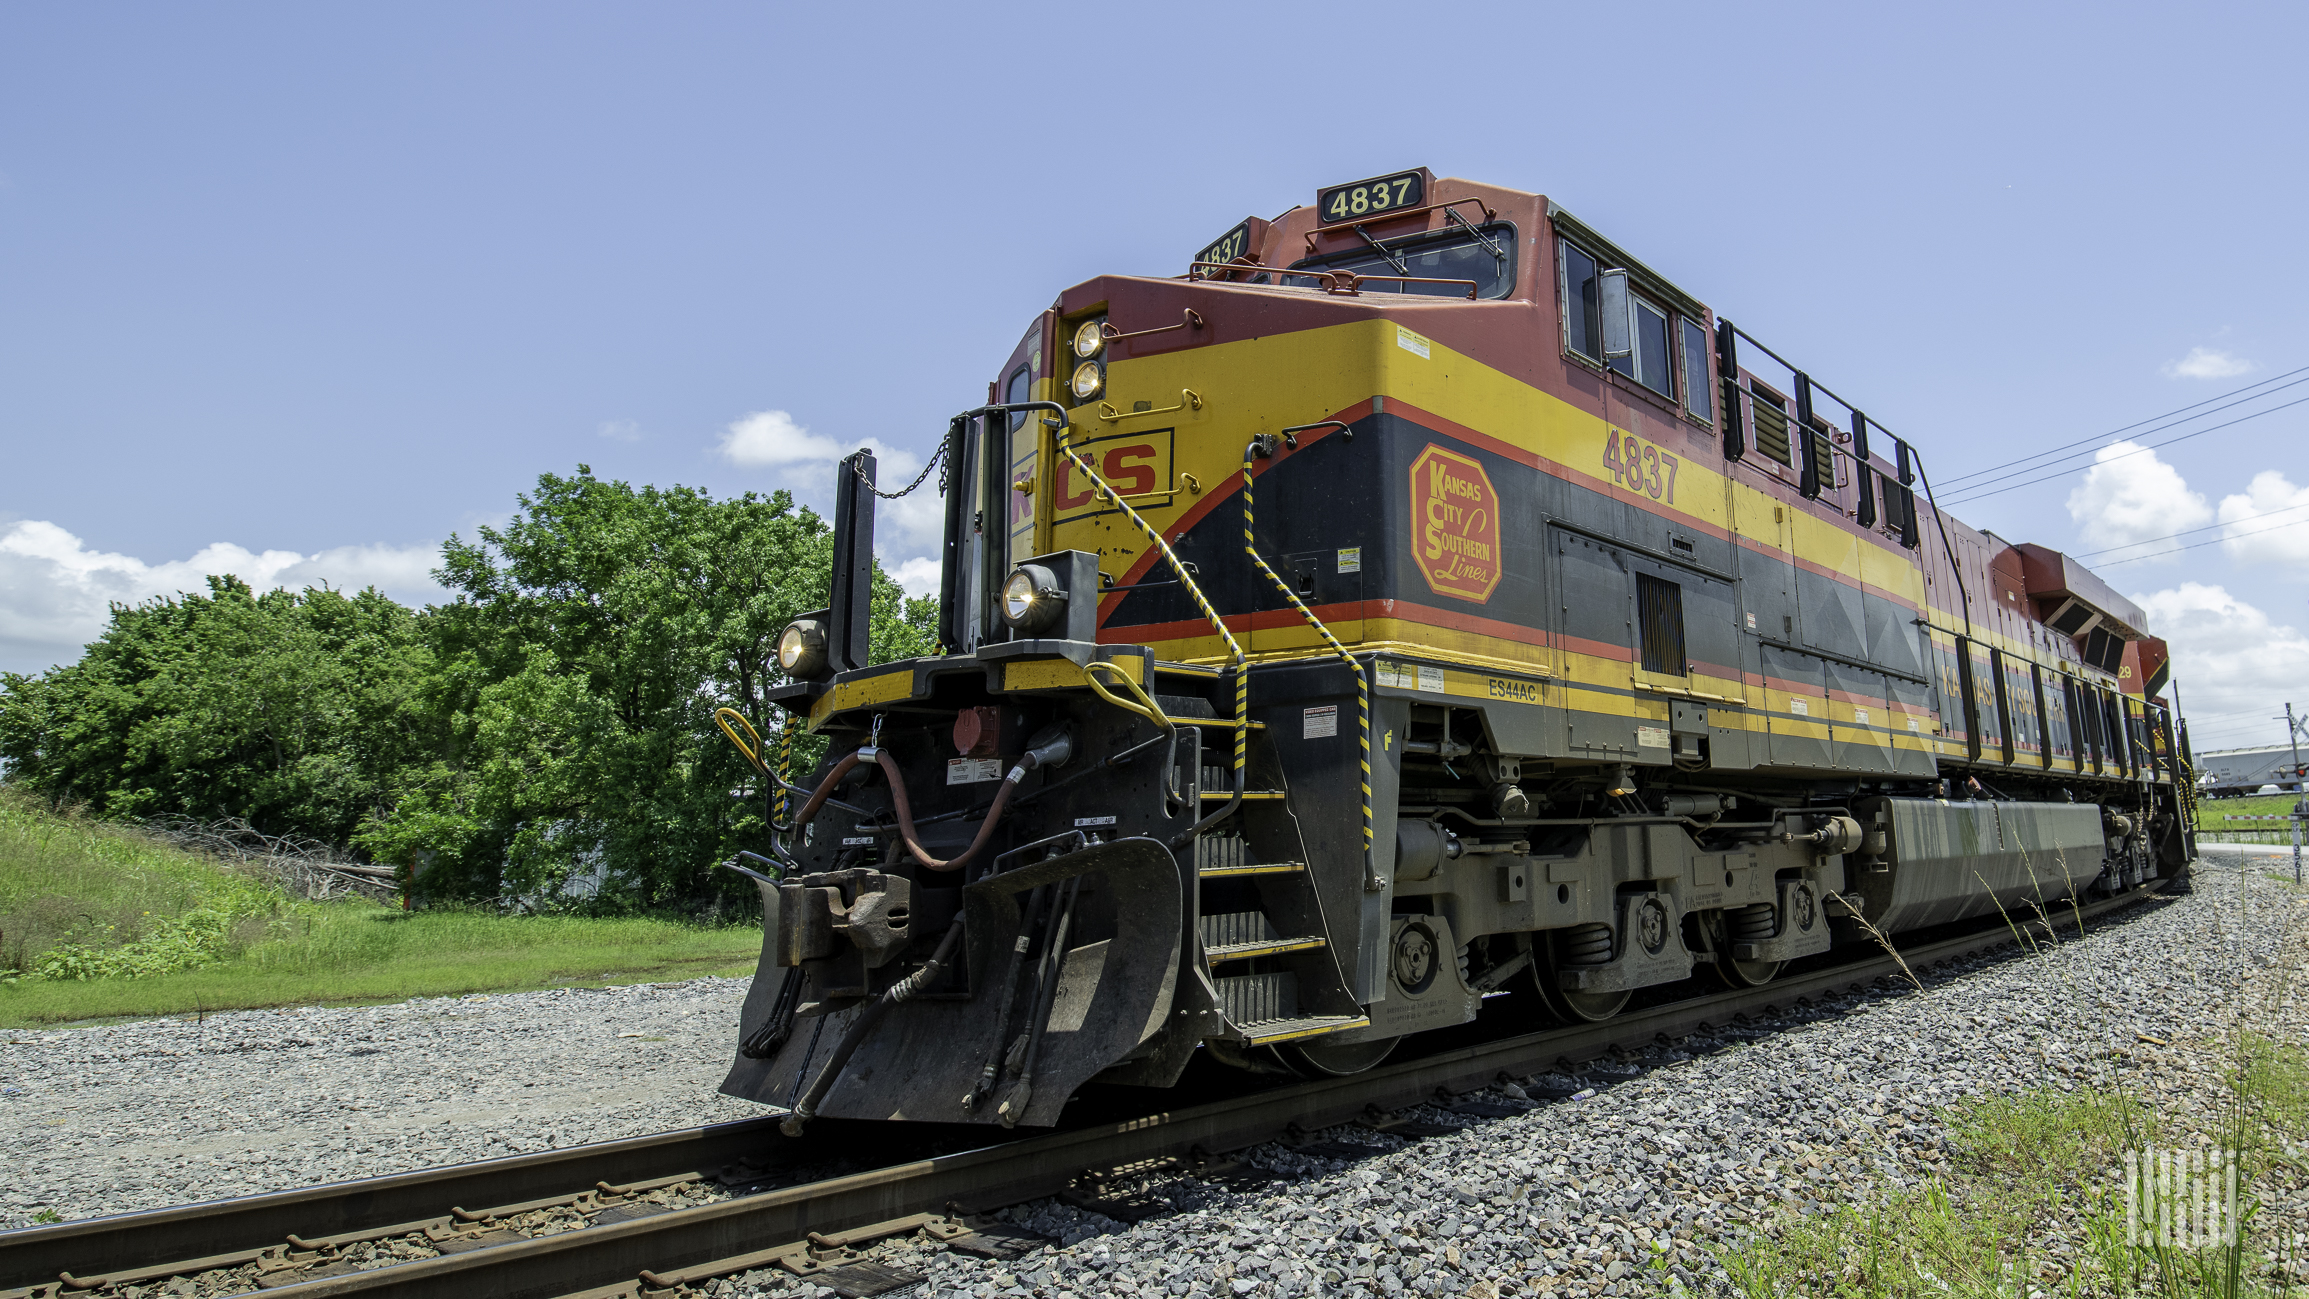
(1617, 307)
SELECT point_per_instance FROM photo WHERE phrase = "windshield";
(1485, 255)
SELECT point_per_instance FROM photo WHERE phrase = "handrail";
(1373, 880)
(1191, 320)
(754, 759)
(1333, 276)
(1145, 707)
(1189, 399)
(1353, 283)
(1291, 434)
(1474, 287)
(1210, 615)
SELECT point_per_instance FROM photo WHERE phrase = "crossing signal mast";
(2296, 730)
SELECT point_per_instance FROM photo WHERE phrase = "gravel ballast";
(1619, 1192)
(143, 1115)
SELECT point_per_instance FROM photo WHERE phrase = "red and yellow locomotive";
(1418, 600)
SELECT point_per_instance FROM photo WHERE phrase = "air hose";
(1051, 753)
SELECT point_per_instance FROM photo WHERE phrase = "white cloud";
(2228, 656)
(621, 430)
(907, 531)
(2251, 538)
(920, 575)
(2207, 363)
(55, 592)
(771, 439)
(2127, 498)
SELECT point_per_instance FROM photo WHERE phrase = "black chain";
(908, 489)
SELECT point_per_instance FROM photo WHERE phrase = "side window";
(1649, 364)
(1020, 388)
(1699, 397)
(1583, 330)
(1652, 334)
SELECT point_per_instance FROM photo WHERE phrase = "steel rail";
(651, 1256)
(221, 1229)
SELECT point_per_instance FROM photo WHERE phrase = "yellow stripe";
(1060, 673)
(881, 688)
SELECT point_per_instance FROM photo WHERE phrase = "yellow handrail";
(1373, 881)
(778, 778)
(1202, 603)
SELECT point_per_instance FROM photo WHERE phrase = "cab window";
(1019, 389)
(1485, 255)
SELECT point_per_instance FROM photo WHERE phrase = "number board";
(1369, 198)
(1229, 246)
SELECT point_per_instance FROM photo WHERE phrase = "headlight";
(1032, 599)
(1089, 340)
(802, 649)
(1088, 380)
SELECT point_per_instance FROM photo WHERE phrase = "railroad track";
(642, 1243)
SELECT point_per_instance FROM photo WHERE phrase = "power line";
(2225, 523)
(2290, 523)
(1981, 473)
(1982, 496)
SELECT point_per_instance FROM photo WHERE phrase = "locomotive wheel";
(1746, 974)
(1321, 1059)
(1737, 973)
(1572, 1007)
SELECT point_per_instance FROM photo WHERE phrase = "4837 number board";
(1370, 198)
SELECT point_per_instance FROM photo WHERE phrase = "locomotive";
(1418, 601)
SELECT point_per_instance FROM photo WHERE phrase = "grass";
(101, 922)
(2211, 811)
(2032, 1204)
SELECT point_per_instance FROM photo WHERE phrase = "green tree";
(293, 711)
(592, 639)
(555, 719)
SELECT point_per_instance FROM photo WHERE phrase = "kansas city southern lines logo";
(1455, 516)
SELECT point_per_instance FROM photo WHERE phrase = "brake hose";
(1051, 754)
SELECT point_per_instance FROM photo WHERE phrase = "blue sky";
(297, 290)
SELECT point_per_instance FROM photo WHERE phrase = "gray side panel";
(1768, 591)
(1916, 703)
(1892, 639)
(1832, 619)
(1860, 746)
(1793, 743)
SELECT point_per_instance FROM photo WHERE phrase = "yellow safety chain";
(785, 765)
(1372, 879)
(1210, 615)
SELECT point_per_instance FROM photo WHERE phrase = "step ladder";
(1260, 918)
